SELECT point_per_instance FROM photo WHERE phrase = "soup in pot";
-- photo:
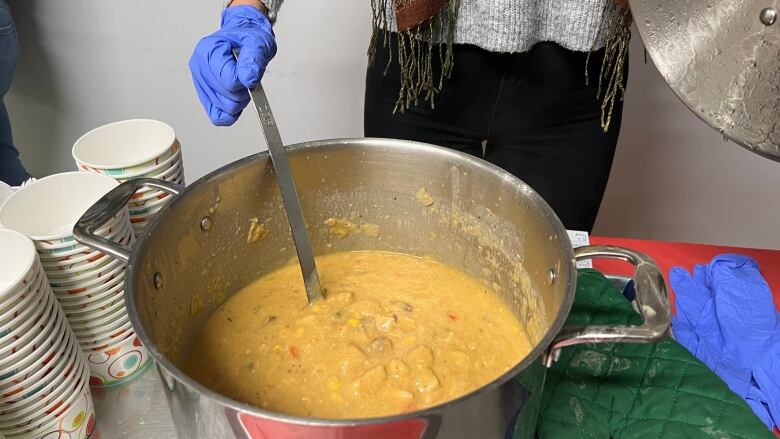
(395, 333)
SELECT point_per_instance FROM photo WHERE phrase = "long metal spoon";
(292, 204)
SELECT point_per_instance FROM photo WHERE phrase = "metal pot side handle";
(651, 298)
(107, 207)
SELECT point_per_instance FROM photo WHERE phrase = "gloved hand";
(726, 317)
(220, 82)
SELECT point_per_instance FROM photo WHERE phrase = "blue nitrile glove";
(766, 375)
(221, 83)
(695, 324)
(726, 317)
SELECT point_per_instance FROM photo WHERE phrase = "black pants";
(534, 112)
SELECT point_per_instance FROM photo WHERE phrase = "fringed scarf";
(426, 28)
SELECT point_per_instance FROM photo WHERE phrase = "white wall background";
(85, 63)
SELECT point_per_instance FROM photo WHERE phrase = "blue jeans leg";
(11, 169)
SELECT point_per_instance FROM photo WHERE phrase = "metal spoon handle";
(292, 204)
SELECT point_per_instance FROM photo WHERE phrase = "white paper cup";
(104, 343)
(143, 217)
(117, 363)
(47, 209)
(90, 310)
(17, 262)
(152, 171)
(74, 269)
(69, 244)
(101, 278)
(76, 316)
(177, 177)
(91, 333)
(82, 258)
(168, 173)
(77, 423)
(60, 386)
(10, 302)
(23, 328)
(52, 406)
(146, 207)
(50, 258)
(31, 380)
(116, 286)
(117, 329)
(124, 147)
(33, 364)
(48, 380)
(145, 197)
(79, 250)
(69, 280)
(19, 301)
(5, 191)
(99, 321)
(11, 363)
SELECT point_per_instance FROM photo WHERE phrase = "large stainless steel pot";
(488, 223)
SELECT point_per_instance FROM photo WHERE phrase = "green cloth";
(655, 390)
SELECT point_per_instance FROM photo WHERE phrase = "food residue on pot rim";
(341, 228)
(424, 197)
(371, 230)
(196, 305)
(257, 231)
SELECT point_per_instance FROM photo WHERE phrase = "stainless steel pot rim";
(375, 143)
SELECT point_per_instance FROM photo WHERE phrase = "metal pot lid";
(722, 59)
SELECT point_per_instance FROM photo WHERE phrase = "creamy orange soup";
(395, 333)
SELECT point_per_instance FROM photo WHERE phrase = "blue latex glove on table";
(727, 318)
(220, 81)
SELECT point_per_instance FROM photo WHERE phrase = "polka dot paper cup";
(18, 267)
(69, 268)
(32, 367)
(71, 411)
(40, 377)
(78, 422)
(43, 399)
(104, 337)
(88, 285)
(129, 149)
(80, 317)
(44, 374)
(110, 289)
(125, 148)
(18, 306)
(117, 363)
(29, 349)
(67, 246)
(29, 323)
(169, 166)
(47, 209)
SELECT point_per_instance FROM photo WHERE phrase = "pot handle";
(107, 207)
(651, 298)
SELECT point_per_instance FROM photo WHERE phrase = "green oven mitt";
(654, 390)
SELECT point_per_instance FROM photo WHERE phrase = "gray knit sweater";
(516, 25)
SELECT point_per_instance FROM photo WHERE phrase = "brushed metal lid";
(722, 59)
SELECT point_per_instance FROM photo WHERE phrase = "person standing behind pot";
(11, 170)
(533, 86)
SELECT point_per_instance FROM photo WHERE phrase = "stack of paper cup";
(130, 149)
(44, 376)
(88, 284)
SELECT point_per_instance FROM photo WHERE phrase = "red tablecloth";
(669, 254)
